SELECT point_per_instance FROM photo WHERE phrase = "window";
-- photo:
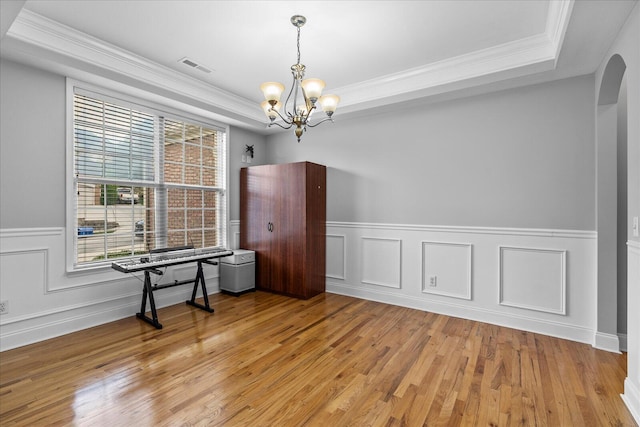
(143, 179)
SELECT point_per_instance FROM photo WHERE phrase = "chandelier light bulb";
(329, 103)
(272, 91)
(271, 111)
(313, 89)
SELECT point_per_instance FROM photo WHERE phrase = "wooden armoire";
(283, 219)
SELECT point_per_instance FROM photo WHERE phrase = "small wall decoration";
(249, 150)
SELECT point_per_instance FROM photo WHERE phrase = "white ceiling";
(371, 53)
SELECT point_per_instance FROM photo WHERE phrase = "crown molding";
(43, 33)
(514, 59)
(510, 60)
(518, 58)
(557, 23)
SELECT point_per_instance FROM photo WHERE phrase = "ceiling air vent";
(193, 64)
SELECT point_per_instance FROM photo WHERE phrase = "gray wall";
(517, 158)
(622, 207)
(32, 147)
(238, 140)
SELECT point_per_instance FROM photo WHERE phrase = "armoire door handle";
(270, 227)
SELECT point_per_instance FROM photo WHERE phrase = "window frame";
(141, 101)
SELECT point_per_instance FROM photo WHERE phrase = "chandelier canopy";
(303, 98)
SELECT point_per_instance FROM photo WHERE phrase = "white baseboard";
(43, 326)
(525, 323)
(622, 338)
(390, 263)
(46, 301)
(518, 278)
(606, 342)
(631, 398)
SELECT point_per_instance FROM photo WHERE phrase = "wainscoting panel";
(534, 279)
(381, 261)
(46, 301)
(446, 269)
(336, 256)
(18, 267)
(493, 275)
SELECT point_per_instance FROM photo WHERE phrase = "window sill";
(85, 270)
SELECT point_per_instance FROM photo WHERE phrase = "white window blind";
(144, 180)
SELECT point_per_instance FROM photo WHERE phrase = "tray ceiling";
(371, 53)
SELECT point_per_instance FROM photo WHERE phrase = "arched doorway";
(611, 161)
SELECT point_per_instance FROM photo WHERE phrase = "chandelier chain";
(298, 45)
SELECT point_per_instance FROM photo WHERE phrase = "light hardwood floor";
(268, 360)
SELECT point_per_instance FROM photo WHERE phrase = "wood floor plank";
(264, 360)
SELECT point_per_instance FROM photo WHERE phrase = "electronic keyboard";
(168, 257)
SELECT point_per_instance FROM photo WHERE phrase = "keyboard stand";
(148, 289)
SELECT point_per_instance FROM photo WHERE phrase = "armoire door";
(256, 207)
(288, 239)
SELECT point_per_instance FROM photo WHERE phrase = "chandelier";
(303, 97)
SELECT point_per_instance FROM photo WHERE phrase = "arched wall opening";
(611, 196)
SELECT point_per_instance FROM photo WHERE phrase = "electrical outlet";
(4, 307)
(433, 281)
